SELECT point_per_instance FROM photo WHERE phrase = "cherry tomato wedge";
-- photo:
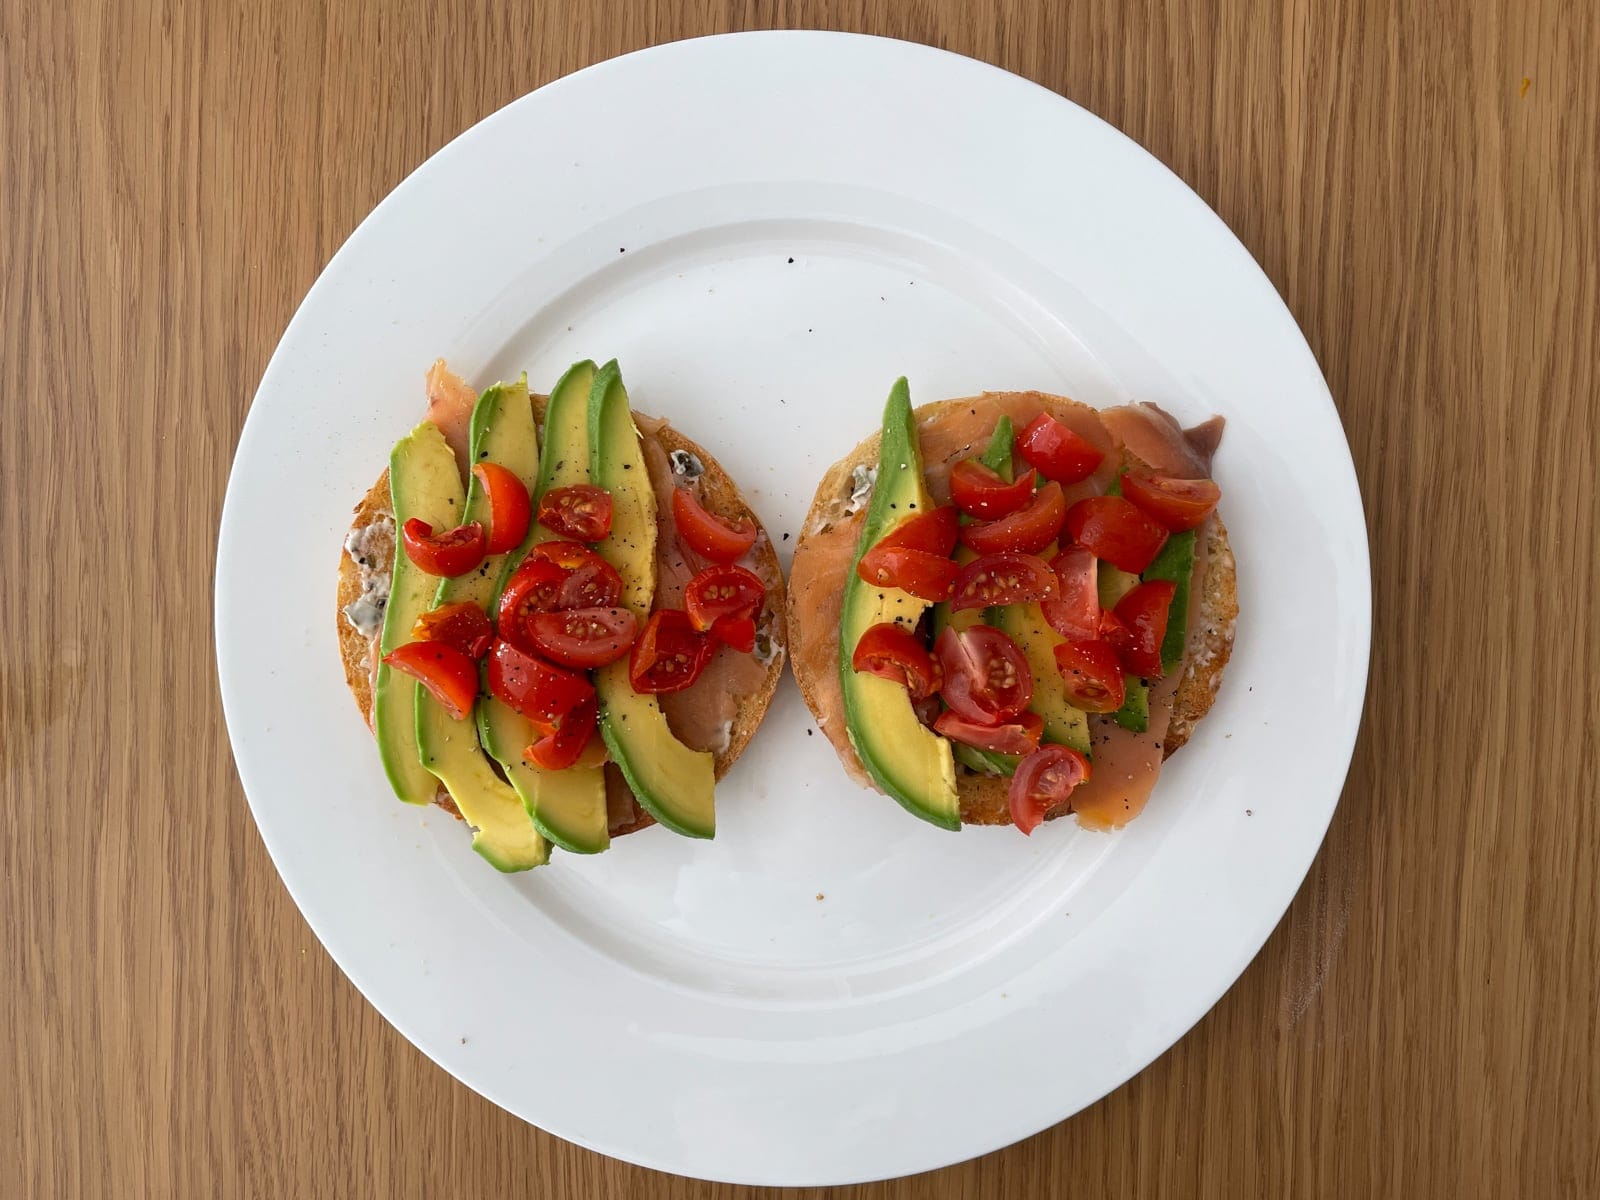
(1091, 675)
(1075, 612)
(986, 677)
(568, 555)
(558, 750)
(1043, 781)
(1027, 531)
(888, 650)
(1004, 579)
(981, 493)
(582, 637)
(923, 574)
(539, 691)
(933, 532)
(707, 534)
(449, 675)
(595, 584)
(1056, 452)
(1014, 737)
(738, 632)
(1142, 617)
(669, 655)
(1178, 504)
(581, 512)
(451, 553)
(1116, 531)
(723, 591)
(509, 508)
(464, 626)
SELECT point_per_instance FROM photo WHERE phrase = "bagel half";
(717, 493)
(818, 574)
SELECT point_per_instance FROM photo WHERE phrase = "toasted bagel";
(717, 493)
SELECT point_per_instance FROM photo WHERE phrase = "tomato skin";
(593, 585)
(1091, 674)
(933, 532)
(925, 575)
(449, 675)
(1141, 618)
(1004, 579)
(707, 534)
(580, 511)
(721, 591)
(558, 750)
(888, 650)
(738, 632)
(451, 553)
(1056, 452)
(1178, 504)
(510, 511)
(568, 555)
(582, 637)
(669, 655)
(464, 626)
(986, 677)
(982, 493)
(1075, 612)
(1042, 781)
(532, 687)
(1014, 737)
(1116, 531)
(1027, 531)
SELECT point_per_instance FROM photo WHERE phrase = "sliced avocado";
(502, 430)
(568, 807)
(1114, 583)
(997, 454)
(907, 760)
(1063, 723)
(1134, 714)
(423, 483)
(1175, 564)
(985, 762)
(675, 784)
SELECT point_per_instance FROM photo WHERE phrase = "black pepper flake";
(809, 732)
(622, 249)
(786, 537)
(791, 258)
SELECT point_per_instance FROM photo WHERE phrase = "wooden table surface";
(1418, 179)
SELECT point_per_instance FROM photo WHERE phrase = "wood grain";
(1419, 180)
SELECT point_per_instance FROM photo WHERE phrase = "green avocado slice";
(675, 785)
(450, 749)
(906, 759)
(568, 807)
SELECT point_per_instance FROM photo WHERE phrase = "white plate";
(766, 229)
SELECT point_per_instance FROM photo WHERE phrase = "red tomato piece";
(727, 590)
(1027, 531)
(982, 493)
(464, 626)
(1056, 452)
(669, 655)
(510, 511)
(1014, 737)
(888, 650)
(449, 675)
(1044, 780)
(595, 584)
(986, 677)
(1178, 504)
(1091, 674)
(581, 512)
(567, 555)
(1116, 531)
(1075, 612)
(925, 575)
(535, 586)
(582, 637)
(538, 690)
(1142, 619)
(558, 750)
(738, 632)
(933, 532)
(707, 534)
(1004, 579)
(451, 553)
